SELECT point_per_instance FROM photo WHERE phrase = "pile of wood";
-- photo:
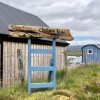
(26, 31)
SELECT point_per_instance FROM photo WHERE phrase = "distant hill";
(74, 48)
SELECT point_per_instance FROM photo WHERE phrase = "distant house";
(91, 54)
(10, 45)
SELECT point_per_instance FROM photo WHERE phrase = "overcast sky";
(82, 17)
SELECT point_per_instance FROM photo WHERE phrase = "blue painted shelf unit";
(50, 68)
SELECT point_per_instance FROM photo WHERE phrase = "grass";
(74, 53)
(82, 83)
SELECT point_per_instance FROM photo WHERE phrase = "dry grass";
(82, 83)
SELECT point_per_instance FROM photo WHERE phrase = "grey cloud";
(91, 11)
(57, 13)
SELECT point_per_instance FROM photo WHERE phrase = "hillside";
(82, 83)
(74, 50)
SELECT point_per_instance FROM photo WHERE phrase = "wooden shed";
(91, 54)
(9, 46)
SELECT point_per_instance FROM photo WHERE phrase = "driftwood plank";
(39, 32)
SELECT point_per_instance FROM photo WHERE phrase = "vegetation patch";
(62, 92)
(81, 83)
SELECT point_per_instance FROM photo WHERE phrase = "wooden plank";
(34, 75)
(39, 61)
(42, 85)
(26, 60)
(9, 63)
(37, 75)
(14, 54)
(7, 76)
(43, 61)
(36, 31)
(32, 61)
(4, 63)
(24, 57)
(58, 58)
(64, 57)
(13, 62)
(48, 62)
(16, 63)
(20, 66)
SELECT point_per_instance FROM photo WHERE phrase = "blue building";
(91, 54)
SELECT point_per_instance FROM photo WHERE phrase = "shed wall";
(0, 64)
(10, 61)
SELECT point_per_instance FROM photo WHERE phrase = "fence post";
(29, 65)
(54, 61)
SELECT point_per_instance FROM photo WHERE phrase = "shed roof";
(11, 15)
(97, 45)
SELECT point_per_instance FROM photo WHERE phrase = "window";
(89, 51)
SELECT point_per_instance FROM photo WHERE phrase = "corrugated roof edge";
(97, 45)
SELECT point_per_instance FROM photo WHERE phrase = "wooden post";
(20, 66)
(54, 61)
(29, 65)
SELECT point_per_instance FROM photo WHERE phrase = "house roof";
(11, 15)
(97, 45)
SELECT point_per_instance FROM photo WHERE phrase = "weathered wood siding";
(10, 62)
(0, 67)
